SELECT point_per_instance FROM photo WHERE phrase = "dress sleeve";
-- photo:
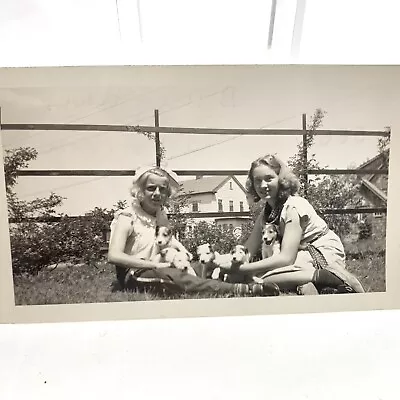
(298, 205)
(125, 213)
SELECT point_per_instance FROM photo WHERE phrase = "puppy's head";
(163, 235)
(205, 253)
(181, 260)
(240, 254)
(168, 254)
(270, 234)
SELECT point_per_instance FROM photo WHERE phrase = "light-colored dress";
(317, 232)
(141, 239)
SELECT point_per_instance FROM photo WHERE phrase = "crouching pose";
(311, 259)
(133, 247)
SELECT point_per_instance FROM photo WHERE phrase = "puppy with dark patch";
(270, 243)
(240, 255)
(164, 238)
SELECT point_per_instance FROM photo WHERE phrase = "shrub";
(221, 238)
(37, 245)
(365, 229)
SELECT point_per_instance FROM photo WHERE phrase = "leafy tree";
(35, 245)
(326, 191)
(18, 209)
(297, 162)
(176, 210)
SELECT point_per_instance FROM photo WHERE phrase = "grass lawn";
(94, 284)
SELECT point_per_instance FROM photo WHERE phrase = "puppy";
(178, 259)
(164, 238)
(270, 244)
(240, 255)
(181, 261)
(206, 255)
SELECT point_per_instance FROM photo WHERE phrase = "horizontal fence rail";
(200, 131)
(109, 172)
(188, 131)
(195, 215)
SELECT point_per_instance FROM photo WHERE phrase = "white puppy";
(178, 259)
(206, 257)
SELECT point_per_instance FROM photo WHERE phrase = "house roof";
(375, 190)
(207, 185)
(366, 180)
(367, 163)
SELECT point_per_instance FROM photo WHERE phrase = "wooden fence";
(157, 129)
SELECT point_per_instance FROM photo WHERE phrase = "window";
(220, 206)
(241, 206)
(378, 215)
(230, 205)
(195, 207)
(230, 185)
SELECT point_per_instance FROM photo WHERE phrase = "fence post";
(305, 161)
(157, 137)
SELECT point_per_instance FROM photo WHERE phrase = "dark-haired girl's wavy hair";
(288, 182)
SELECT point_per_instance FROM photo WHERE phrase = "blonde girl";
(132, 245)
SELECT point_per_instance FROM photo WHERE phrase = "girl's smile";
(266, 183)
(155, 193)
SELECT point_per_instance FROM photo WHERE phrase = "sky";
(138, 32)
(356, 98)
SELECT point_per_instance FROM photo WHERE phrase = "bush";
(365, 229)
(221, 238)
(37, 245)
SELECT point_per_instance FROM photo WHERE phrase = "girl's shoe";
(264, 289)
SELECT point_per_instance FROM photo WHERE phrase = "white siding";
(208, 202)
(236, 195)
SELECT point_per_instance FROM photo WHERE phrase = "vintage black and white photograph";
(132, 184)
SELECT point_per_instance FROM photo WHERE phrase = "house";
(374, 190)
(374, 187)
(216, 194)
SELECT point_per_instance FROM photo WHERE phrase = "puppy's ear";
(157, 229)
(246, 250)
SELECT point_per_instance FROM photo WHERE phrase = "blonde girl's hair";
(139, 183)
(288, 182)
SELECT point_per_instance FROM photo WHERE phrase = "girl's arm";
(253, 243)
(180, 247)
(289, 248)
(116, 254)
(162, 219)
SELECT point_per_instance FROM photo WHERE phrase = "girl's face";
(266, 183)
(155, 193)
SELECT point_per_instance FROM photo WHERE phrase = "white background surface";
(320, 356)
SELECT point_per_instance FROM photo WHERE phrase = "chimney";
(199, 176)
